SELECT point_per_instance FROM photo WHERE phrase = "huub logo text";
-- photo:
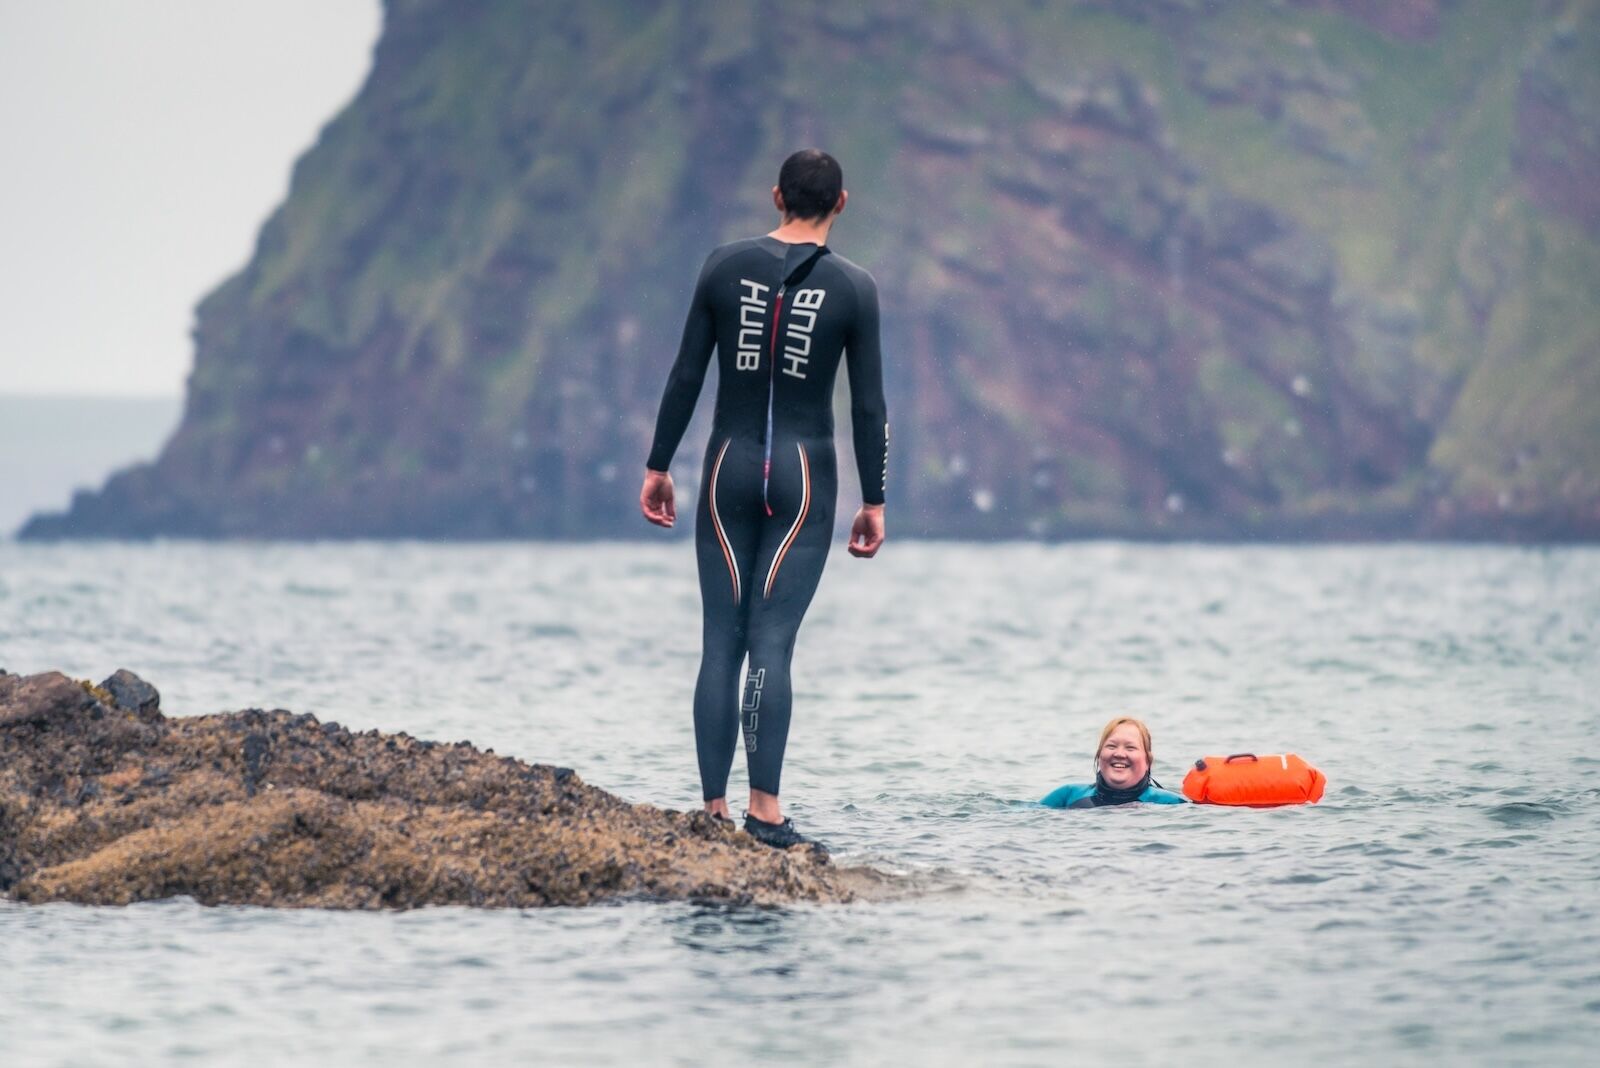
(802, 320)
(752, 324)
(752, 707)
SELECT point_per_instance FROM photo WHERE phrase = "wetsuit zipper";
(772, 386)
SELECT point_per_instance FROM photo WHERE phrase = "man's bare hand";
(655, 499)
(866, 533)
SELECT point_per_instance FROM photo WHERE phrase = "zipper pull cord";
(772, 385)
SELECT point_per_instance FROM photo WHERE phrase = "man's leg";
(794, 549)
(727, 532)
(716, 717)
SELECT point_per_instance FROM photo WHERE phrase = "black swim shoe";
(778, 835)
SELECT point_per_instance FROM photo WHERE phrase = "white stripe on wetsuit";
(805, 506)
(716, 522)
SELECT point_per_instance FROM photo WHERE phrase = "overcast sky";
(143, 143)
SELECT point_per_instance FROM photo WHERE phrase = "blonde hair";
(1144, 736)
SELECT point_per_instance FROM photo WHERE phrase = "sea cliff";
(1165, 268)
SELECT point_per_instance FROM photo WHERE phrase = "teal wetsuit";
(1081, 795)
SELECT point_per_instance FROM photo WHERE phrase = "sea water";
(1439, 906)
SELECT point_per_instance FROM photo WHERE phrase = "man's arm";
(688, 375)
(869, 420)
(677, 403)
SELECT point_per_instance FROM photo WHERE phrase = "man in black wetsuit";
(780, 310)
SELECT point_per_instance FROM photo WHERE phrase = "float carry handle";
(1252, 781)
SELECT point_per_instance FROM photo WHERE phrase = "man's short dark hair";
(810, 182)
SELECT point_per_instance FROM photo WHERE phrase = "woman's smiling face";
(1123, 760)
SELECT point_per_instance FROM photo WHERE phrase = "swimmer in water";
(1121, 772)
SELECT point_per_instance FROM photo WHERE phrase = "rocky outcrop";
(104, 800)
(1174, 269)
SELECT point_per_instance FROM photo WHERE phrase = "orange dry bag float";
(1252, 781)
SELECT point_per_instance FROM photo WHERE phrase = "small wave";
(882, 767)
(543, 630)
(1415, 1035)
(1510, 842)
(1522, 813)
(1336, 665)
(1402, 793)
(1370, 849)
(303, 589)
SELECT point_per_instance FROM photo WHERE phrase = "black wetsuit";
(780, 316)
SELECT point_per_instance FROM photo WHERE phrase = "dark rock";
(42, 698)
(254, 752)
(131, 692)
(10, 865)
